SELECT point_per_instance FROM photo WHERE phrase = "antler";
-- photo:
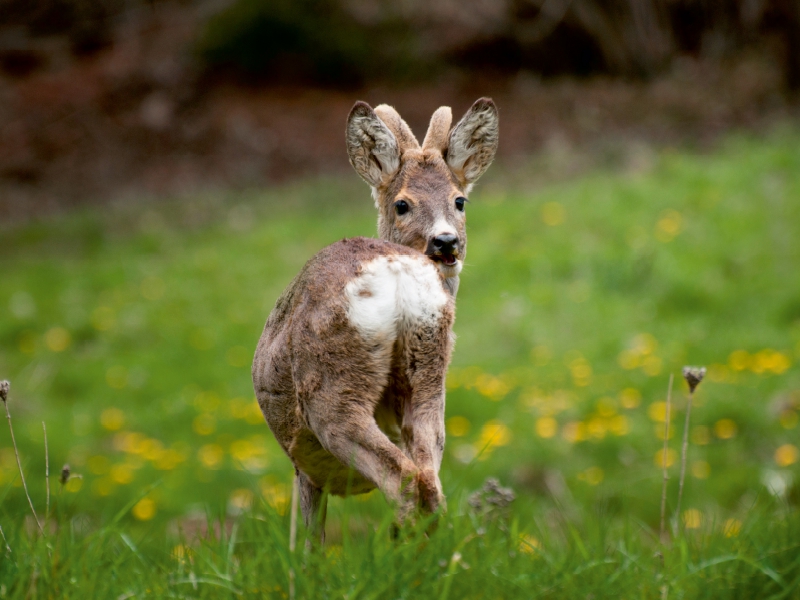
(438, 130)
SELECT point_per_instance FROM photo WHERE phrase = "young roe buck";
(350, 370)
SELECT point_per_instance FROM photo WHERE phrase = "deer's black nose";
(446, 243)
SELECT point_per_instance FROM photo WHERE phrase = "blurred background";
(103, 99)
(166, 168)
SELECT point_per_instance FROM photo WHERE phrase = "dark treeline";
(351, 42)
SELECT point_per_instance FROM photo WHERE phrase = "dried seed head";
(492, 501)
(693, 376)
(4, 387)
(64, 478)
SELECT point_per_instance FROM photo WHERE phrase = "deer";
(350, 369)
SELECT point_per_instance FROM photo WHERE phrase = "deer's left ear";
(473, 141)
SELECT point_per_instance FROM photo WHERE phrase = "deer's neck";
(451, 285)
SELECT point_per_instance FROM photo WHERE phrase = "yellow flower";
(668, 226)
(152, 449)
(169, 459)
(493, 433)
(786, 455)
(529, 544)
(247, 410)
(596, 428)
(211, 455)
(592, 476)
(660, 458)
(651, 365)
(719, 373)
(112, 419)
(645, 344)
(553, 214)
(739, 360)
(122, 474)
(204, 424)
(241, 499)
(206, 402)
(618, 425)
(660, 431)
(243, 449)
(57, 339)
(492, 387)
(606, 407)
(692, 518)
(657, 411)
(732, 527)
(725, 429)
(701, 469)
(74, 484)
(630, 398)
(276, 494)
(770, 360)
(629, 359)
(458, 426)
(182, 552)
(145, 509)
(546, 427)
(574, 431)
(581, 372)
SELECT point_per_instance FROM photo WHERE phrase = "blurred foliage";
(305, 41)
(345, 42)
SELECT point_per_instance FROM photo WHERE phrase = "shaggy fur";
(350, 368)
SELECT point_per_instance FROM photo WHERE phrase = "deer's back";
(336, 329)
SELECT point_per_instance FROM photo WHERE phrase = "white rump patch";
(393, 293)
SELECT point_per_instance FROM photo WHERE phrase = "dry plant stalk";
(46, 474)
(664, 458)
(693, 377)
(4, 388)
(5, 541)
(293, 531)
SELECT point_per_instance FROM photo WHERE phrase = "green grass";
(130, 332)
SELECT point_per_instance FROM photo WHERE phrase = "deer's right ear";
(372, 148)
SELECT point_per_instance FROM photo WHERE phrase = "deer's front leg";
(355, 439)
(427, 357)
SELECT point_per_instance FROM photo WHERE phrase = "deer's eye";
(401, 207)
(460, 203)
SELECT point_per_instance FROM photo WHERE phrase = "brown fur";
(352, 412)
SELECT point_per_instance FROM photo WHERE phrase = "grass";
(130, 332)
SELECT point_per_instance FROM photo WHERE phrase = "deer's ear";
(371, 146)
(473, 141)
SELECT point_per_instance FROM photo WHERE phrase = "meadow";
(130, 332)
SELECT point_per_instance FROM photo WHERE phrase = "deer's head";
(421, 191)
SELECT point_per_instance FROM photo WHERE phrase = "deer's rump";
(331, 351)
